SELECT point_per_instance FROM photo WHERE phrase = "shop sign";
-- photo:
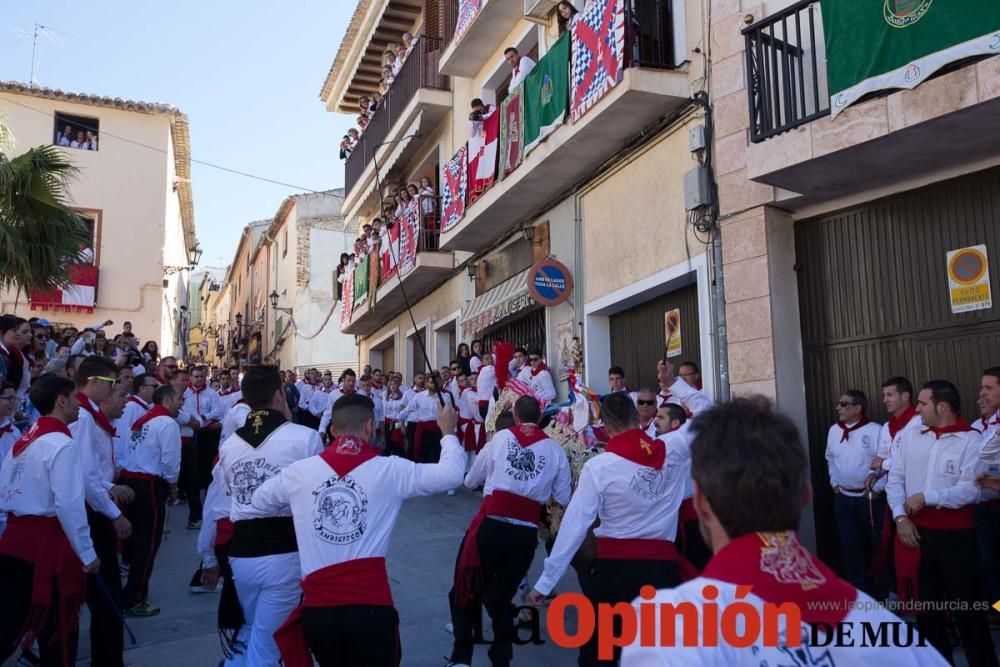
(497, 313)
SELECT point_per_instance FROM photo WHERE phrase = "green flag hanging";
(873, 46)
(361, 281)
(546, 94)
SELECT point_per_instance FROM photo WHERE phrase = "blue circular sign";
(550, 282)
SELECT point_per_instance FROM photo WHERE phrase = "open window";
(79, 132)
(90, 221)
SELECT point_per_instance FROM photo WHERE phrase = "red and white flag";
(484, 141)
(80, 294)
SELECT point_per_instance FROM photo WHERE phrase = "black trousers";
(146, 515)
(696, 551)
(950, 571)
(411, 431)
(208, 449)
(505, 551)
(188, 482)
(353, 636)
(430, 447)
(464, 618)
(107, 639)
(620, 580)
(15, 594)
(859, 522)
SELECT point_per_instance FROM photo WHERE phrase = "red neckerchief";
(480, 369)
(847, 429)
(645, 427)
(346, 453)
(541, 367)
(958, 427)
(99, 417)
(779, 570)
(197, 397)
(527, 434)
(43, 426)
(896, 424)
(156, 411)
(138, 401)
(638, 447)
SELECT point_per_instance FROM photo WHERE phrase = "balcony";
(649, 89)
(475, 34)
(890, 137)
(416, 103)
(429, 268)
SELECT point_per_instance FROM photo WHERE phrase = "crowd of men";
(294, 487)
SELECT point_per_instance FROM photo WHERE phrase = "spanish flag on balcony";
(80, 295)
(875, 46)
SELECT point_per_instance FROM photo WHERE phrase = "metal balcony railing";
(786, 75)
(419, 71)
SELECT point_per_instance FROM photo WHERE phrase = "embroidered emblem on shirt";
(340, 514)
(787, 561)
(247, 475)
(648, 483)
(522, 464)
(256, 420)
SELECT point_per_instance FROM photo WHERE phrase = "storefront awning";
(498, 304)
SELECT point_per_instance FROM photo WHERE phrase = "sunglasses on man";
(640, 401)
(845, 404)
(103, 378)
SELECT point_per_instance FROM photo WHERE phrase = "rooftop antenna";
(45, 32)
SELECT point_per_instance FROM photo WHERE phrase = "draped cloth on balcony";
(598, 54)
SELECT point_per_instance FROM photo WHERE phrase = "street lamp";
(196, 254)
(273, 296)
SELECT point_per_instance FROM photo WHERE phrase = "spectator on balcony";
(401, 54)
(376, 100)
(362, 122)
(354, 136)
(566, 12)
(520, 65)
(65, 138)
(428, 202)
(345, 147)
(389, 57)
(388, 76)
(409, 41)
(80, 141)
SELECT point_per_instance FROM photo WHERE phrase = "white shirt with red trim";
(205, 405)
(45, 480)
(154, 449)
(319, 400)
(339, 519)
(135, 407)
(849, 461)
(888, 447)
(391, 407)
(97, 461)
(230, 399)
(244, 468)
(539, 471)
(943, 469)
(235, 417)
(468, 404)
(542, 384)
(486, 382)
(423, 407)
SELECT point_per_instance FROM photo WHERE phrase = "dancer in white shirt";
(486, 383)
(345, 503)
(204, 403)
(138, 404)
(538, 376)
(751, 479)
(47, 539)
(263, 553)
(346, 388)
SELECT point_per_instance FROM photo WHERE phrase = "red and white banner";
(389, 252)
(409, 235)
(484, 141)
(347, 301)
(80, 295)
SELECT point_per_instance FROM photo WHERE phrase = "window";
(285, 251)
(78, 132)
(90, 220)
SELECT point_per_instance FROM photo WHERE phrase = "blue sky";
(247, 74)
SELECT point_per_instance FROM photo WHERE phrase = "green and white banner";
(546, 94)
(874, 45)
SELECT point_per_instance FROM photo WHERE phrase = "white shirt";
(218, 502)
(391, 407)
(989, 455)
(541, 384)
(319, 400)
(521, 71)
(888, 447)
(45, 480)
(230, 399)
(235, 417)
(423, 407)
(486, 382)
(339, 519)
(96, 452)
(331, 399)
(7, 440)
(376, 403)
(690, 592)
(135, 407)
(474, 364)
(245, 468)
(849, 462)
(306, 391)
(943, 469)
(154, 449)
(468, 404)
(409, 394)
(205, 404)
(539, 472)
(482, 469)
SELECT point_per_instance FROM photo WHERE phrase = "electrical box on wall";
(696, 139)
(697, 188)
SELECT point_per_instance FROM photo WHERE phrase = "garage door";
(874, 303)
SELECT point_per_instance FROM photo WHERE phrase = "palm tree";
(40, 235)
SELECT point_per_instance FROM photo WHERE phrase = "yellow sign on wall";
(672, 331)
(969, 279)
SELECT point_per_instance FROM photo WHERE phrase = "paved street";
(420, 567)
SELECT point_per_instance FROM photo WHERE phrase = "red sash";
(396, 436)
(644, 549)
(469, 572)
(638, 447)
(942, 518)
(99, 417)
(781, 570)
(223, 531)
(41, 541)
(43, 426)
(363, 582)
(418, 434)
(157, 411)
(467, 427)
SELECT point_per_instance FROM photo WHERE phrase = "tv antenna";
(46, 33)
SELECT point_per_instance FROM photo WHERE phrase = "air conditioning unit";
(539, 9)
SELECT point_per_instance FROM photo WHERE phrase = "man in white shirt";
(986, 514)
(538, 377)
(203, 402)
(235, 418)
(320, 397)
(346, 388)
(520, 66)
(751, 479)
(529, 468)
(345, 503)
(646, 406)
(519, 364)
(93, 435)
(931, 493)
(851, 448)
(8, 432)
(47, 538)
(263, 552)
(486, 383)
(138, 403)
(422, 411)
(150, 467)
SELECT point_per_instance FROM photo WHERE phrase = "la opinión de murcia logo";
(904, 13)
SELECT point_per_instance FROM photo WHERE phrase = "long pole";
(34, 50)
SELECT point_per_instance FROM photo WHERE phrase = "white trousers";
(269, 590)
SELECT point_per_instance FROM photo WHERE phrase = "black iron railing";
(419, 71)
(786, 77)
